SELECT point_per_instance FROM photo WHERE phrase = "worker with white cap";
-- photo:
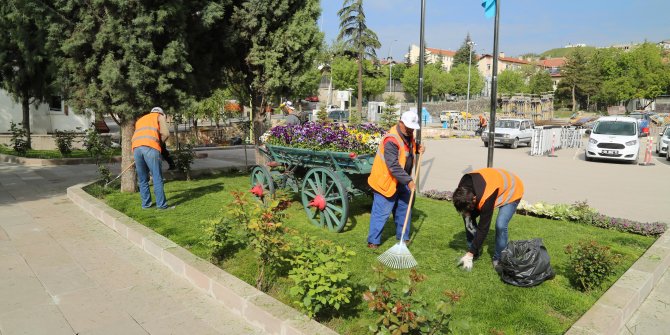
(390, 178)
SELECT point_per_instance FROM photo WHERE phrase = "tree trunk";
(129, 178)
(259, 128)
(574, 99)
(359, 103)
(25, 106)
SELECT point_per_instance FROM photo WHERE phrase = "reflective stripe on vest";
(509, 186)
(146, 132)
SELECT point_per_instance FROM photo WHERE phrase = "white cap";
(289, 104)
(410, 119)
(157, 110)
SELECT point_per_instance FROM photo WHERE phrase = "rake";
(398, 256)
(120, 174)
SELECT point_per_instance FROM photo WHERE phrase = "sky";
(525, 25)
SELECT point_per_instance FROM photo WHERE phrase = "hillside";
(563, 52)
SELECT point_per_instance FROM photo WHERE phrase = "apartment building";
(432, 56)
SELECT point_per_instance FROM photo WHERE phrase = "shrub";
(438, 195)
(319, 275)
(589, 264)
(105, 175)
(64, 141)
(94, 144)
(19, 139)
(402, 313)
(228, 233)
(354, 116)
(322, 114)
(263, 224)
(184, 157)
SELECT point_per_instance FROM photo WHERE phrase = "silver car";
(663, 141)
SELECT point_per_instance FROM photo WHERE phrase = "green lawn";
(438, 241)
(52, 154)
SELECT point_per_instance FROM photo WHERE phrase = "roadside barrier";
(548, 139)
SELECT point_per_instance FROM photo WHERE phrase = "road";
(616, 189)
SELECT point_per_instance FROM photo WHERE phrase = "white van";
(615, 138)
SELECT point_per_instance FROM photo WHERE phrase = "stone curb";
(612, 311)
(50, 162)
(64, 161)
(242, 299)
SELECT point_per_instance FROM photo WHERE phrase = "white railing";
(547, 139)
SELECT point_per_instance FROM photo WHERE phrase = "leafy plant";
(401, 312)
(184, 157)
(319, 275)
(94, 144)
(103, 172)
(225, 234)
(19, 138)
(354, 117)
(589, 264)
(64, 140)
(263, 223)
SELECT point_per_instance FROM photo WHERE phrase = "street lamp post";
(467, 101)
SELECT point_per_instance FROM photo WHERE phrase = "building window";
(55, 104)
(488, 67)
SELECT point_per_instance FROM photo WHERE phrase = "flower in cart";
(361, 139)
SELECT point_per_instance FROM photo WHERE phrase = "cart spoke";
(312, 185)
(335, 208)
(317, 183)
(321, 219)
(331, 219)
(309, 194)
(329, 188)
(324, 182)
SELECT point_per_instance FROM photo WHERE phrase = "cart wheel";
(325, 199)
(262, 183)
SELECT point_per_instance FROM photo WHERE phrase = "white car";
(615, 138)
(662, 143)
(511, 132)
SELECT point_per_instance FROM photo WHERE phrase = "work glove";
(466, 261)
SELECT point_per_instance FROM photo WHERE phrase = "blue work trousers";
(382, 207)
(148, 161)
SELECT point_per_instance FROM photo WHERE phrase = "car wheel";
(667, 155)
(587, 158)
(514, 144)
(486, 144)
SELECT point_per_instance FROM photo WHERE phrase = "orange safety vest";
(146, 132)
(482, 121)
(509, 186)
(381, 179)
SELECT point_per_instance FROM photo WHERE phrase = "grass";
(52, 154)
(438, 241)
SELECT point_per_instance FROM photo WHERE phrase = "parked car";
(511, 132)
(449, 115)
(338, 115)
(614, 138)
(662, 143)
(312, 99)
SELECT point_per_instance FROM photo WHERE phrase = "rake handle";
(122, 172)
(411, 198)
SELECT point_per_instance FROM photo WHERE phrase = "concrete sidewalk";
(62, 272)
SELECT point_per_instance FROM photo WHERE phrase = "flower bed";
(577, 212)
(361, 139)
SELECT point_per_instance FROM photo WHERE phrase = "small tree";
(322, 115)
(389, 117)
(19, 138)
(354, 117)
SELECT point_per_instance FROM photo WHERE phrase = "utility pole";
(494, 87)
(467, 101)
(390, 60)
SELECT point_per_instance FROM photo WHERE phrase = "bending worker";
(391, 179)
(478, 194)
(150, 130)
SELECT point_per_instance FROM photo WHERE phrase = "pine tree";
(462, 55)
(27, 69)
(358, 38)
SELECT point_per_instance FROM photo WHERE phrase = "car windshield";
(615, 128)
(507, 124)
(667, 132)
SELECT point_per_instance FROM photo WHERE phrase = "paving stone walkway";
(62, 272)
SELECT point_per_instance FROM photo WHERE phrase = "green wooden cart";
(326, 180)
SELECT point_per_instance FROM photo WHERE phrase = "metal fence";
(544, 139)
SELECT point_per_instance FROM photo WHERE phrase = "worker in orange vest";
(390, 178)
(150, 130)
(482, 125)
(478, 194)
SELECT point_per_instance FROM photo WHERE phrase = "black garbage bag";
(525, 263)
